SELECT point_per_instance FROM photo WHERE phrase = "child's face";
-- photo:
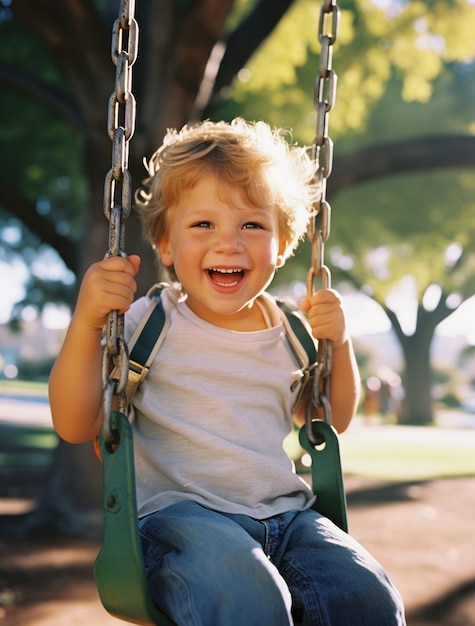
(224, 252)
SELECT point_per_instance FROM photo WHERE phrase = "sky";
(370, 319)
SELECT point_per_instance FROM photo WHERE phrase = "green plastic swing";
(119, 568)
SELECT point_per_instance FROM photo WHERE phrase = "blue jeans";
(213, 569)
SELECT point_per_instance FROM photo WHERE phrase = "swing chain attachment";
(118, 202)
(319, 227)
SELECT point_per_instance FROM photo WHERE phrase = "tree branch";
(394, 322)
(47, 95)
(60, 25)
(406, 156)
(244, 41)
(201, 28)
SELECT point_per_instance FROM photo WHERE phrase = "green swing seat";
(119, 569)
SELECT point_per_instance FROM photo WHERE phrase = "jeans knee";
(245, 588)
(212, 574)
(374, 602)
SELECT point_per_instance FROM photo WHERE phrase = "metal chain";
(117, 202)
(319, 228)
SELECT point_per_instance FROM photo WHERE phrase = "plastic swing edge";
(326, 472)
(118, 568)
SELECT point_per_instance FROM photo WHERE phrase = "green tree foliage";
(413, 232)
(410, 248)
(379, 43)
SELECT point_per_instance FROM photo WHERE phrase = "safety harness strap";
(150, 333)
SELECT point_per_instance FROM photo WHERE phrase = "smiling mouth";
(226, 277)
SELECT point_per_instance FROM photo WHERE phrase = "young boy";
(228, 533)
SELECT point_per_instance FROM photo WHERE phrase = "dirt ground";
(422, 532)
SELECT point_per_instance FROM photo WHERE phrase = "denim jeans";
(213, 569)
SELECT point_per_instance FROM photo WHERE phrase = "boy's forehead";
(212, 187)
(209, 181)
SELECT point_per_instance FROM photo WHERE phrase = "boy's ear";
(283, 244)
(164, 251)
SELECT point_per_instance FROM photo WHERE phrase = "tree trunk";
(71, 501)
(417, 380)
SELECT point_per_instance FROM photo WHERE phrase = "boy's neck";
(250, 319)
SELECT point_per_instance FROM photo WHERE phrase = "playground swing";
(118, 569)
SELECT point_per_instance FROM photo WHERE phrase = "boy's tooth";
(223, 271)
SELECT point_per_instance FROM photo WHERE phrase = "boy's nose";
(228, 242)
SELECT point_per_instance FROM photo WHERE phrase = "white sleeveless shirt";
(210, 418)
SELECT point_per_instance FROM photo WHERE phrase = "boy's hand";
(326, 316)
(107, 286)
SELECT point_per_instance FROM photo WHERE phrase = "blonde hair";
(245, 155)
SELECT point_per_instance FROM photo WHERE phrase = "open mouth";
(226, 277)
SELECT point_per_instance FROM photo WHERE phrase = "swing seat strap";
(151, 330)
(145, 342)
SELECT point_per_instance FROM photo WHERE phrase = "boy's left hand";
(326, 316)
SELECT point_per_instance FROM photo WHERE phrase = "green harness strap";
(151, 331)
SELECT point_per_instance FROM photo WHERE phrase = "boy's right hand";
(107, 286)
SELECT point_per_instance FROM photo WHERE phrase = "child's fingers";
(135, 260)
(319, 299)
(129, 265)
(325, 314)
(305, 305)
(108, 285)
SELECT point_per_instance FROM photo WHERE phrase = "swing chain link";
(319, 227)
(118, 202)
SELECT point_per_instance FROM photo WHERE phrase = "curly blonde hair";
(249, 156)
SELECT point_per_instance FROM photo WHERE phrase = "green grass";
(409, 462)
(26, 446)
(403, 453)
(23, 387)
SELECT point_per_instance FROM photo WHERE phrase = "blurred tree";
(405, 234)
(421, 266)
